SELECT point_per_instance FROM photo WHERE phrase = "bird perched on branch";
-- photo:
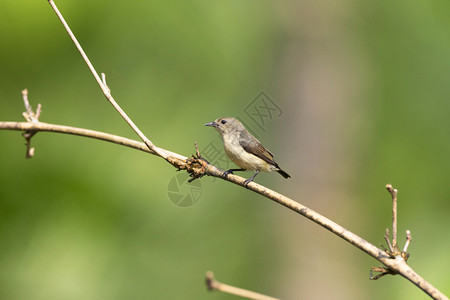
(244, 149)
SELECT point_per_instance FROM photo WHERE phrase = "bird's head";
(226, 125)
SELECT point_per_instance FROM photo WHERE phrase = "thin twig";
(388, 242)
(104, 82)
(393, 193)
(32, 117)
(105, 89)
(29, 115)
(213, 285)
(408, 241)
(394, 251)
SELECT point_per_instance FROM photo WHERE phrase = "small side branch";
(394, 251)
(213, 285)
(29, 114)
(388, 242)
(408, 240)
(32, 117)
(393, 193)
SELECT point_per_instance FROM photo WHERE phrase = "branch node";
(405, 254)
(211, 282)
(104, 83)
(393, 251)
(29, 114)
(382, 270)
(391, 190)
(196, 165)
(32, 117)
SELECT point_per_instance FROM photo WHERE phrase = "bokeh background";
(363, 90)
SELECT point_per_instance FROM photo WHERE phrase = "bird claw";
(225, 174)
(247, 182)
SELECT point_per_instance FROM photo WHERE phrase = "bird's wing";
(253, 146)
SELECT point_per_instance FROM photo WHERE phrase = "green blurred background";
(363, 89)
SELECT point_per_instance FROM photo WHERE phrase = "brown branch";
(213, 285)
(46, 127)
(175, 158)
(198, 167)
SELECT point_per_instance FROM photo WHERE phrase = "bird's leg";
(230, 171)
(251, 178)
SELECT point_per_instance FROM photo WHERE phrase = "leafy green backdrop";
(84, 219)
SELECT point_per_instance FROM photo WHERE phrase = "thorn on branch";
(30, 116)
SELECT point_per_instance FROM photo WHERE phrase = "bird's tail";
(284, 174)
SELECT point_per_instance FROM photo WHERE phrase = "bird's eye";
(223, 122)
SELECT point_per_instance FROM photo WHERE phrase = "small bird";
(244, 149)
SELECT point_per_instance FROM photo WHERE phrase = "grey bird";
(244, 149)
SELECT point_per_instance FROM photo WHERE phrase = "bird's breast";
(238, 155)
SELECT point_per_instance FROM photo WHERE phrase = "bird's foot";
(248, 181)
(230, 171)
(225, 174)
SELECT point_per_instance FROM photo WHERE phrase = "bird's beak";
(213, 124)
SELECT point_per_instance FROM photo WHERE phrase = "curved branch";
(397, 265)
(46, 127)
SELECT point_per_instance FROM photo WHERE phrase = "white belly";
(242, 158)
